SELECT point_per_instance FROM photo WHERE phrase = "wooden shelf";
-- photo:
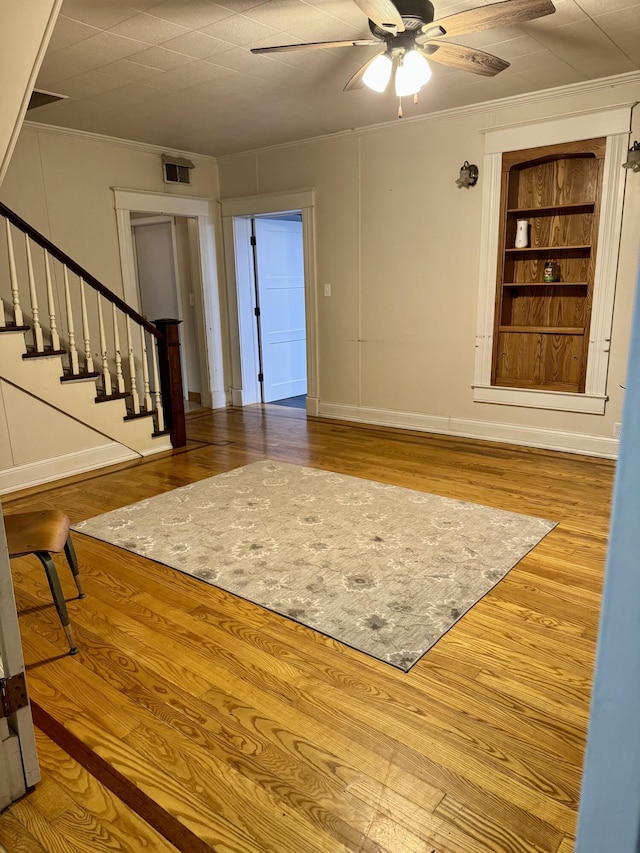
(550, 209)
(543, 330)
(546, 284)
(550, 249)
(572, 388)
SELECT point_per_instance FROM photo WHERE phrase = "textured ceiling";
(178, 73)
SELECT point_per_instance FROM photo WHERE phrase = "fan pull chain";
(415, 98)
(399, 107)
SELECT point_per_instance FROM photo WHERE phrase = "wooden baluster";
(13, 276)
(116, 344)
(135, 397)
(156, 386)
(33, 295)
(53, 325)
(145, 372)
(106, 376)
(73, 351)
(86, 337)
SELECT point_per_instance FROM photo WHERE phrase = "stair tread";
(14, 328)
(71, 377)
(142, 414)
(44, 354)
(118, 395)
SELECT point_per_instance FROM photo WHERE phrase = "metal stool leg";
(70, 553)
(58, 598)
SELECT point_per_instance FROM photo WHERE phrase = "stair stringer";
(40, 377)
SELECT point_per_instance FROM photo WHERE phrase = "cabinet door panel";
(519, 359)
(540, 361)
(562, 360)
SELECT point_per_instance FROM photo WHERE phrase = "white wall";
(399, 243)
(39, 443)
(61, 184)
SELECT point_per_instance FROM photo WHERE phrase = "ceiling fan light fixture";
(412, 74)
(378, 74)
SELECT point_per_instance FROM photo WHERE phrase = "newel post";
(171, 379)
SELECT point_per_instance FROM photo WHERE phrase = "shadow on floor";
(299, 402)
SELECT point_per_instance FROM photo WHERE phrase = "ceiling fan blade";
(383, 13)
(466, 59)
(315, 45)
(508, 13)
(356, 80)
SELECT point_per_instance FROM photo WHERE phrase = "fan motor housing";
(414, 13)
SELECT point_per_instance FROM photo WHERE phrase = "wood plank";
(115, 782)
(231, 728)
(15, 836)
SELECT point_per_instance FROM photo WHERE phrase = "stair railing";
(148, 375)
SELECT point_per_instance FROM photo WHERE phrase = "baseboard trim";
(219, 400)
(238, 398)
(57, 467)
(566, 442)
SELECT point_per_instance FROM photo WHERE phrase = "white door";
(155, 259)
(154, 246)
(280, 291)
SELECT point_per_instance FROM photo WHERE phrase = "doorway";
(198, 217)
(278, 272)
(237, 214)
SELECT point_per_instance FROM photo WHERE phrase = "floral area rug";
(383, 569)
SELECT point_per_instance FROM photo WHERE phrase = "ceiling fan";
(410, 35)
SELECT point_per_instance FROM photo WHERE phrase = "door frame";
(237, 253)
(206, 290)
(18, 756)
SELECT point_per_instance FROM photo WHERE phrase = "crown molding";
(604, 111)
(585, 87)
(147, 147)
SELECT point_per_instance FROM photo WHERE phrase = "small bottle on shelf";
(550, 272)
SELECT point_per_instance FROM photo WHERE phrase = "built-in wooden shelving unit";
(541, 328)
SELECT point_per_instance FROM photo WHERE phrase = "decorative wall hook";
(633, 158)
(468, 175)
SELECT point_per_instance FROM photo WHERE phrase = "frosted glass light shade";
(377, 75)
(412, 74)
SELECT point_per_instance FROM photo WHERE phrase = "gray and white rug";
(383, 569)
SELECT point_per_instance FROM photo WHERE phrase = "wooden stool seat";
(28, 532)
(43, 533)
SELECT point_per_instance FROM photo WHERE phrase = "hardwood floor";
(229, 728)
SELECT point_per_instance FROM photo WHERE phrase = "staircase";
(73, 344)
